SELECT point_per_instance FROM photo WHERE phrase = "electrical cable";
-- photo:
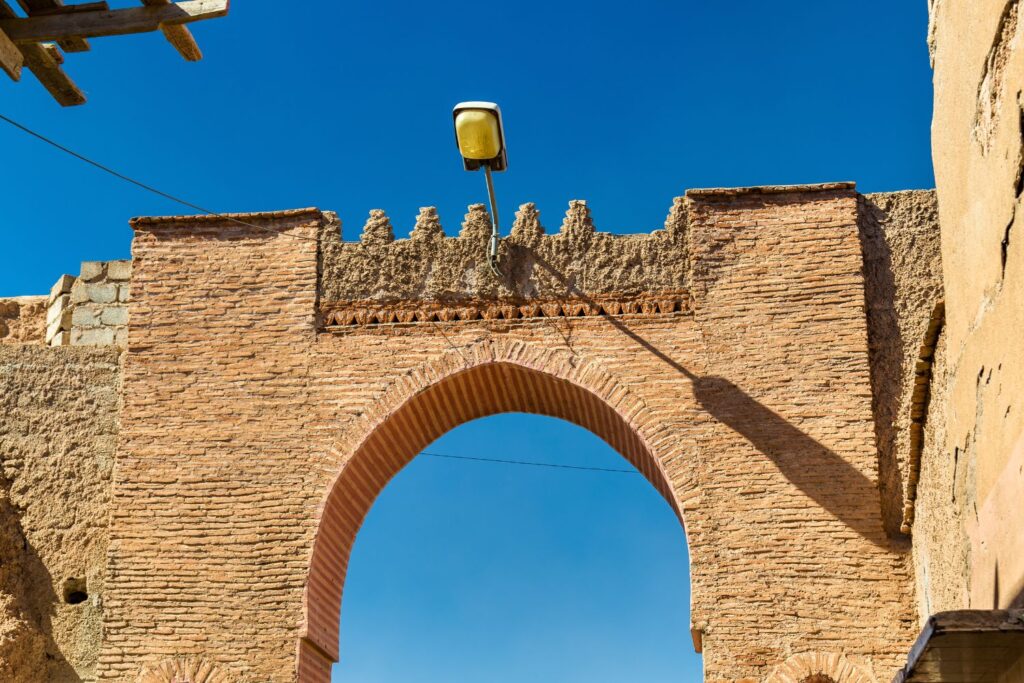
(144, 186)
(196, 207)
(527, 462)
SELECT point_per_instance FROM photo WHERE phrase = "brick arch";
(486, 379)
(820, 667)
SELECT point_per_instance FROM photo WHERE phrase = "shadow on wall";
(885, 349)
(27, 602)
(833, 483)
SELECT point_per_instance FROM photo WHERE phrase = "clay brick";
(765, 368)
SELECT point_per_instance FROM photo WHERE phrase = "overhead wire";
(144, 186)
(503, 461)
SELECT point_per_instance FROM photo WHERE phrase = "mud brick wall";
(726, 356)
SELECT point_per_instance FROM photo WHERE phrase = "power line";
(527, 462)
(144, 186)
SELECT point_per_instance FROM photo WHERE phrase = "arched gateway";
(276, 379)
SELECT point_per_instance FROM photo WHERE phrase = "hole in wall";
(75, 591)
(818, 678)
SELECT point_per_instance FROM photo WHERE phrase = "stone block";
(79, 292)
(97, 336)
(92, 270)
(102, 292)
(57, 308)
(57, 327)
(62, 338)
(62, 286)
(85, 315)
(121, 337)
(115, 316)
(123, 292)
(119, 270)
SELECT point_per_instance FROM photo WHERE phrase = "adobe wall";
(57, 437)
(972, 470)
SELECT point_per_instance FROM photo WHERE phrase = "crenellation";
(429, 266)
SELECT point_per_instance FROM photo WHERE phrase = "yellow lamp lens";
(477, 133)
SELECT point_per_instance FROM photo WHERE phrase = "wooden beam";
(177, 35)
(11, 59)
(34, 7)
(46, 68)
(62, 9)
(114, 22)
(49, 73)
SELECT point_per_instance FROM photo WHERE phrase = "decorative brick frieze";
(347, 314)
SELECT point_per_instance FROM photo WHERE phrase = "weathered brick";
(758, 361)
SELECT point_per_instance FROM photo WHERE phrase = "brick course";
(255, 433)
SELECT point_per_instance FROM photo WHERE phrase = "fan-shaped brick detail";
(820, 667)
(183, 670)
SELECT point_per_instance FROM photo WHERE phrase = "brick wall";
(260, 420)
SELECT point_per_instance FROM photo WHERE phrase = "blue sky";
(471, 571)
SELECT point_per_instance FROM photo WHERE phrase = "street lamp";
(481, 141)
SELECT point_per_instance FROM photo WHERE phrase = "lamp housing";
(480, 135)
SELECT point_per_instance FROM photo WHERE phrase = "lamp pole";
(492, 256)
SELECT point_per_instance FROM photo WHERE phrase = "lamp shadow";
(818, 471)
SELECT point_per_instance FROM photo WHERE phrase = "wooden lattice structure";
(50, 28)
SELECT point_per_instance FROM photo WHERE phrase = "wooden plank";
(177, 35)
(46, 69)
(11, 59)
(33, 7)
(114, 22)
(49, 73)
